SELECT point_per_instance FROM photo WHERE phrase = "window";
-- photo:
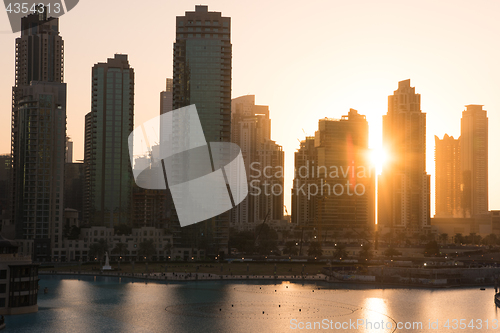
(3, 274)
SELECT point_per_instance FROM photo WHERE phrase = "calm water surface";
(109, 304)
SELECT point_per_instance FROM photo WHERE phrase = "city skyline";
(372, 78)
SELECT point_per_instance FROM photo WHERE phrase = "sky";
(305, 59)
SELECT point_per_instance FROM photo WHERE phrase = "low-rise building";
(18, 280)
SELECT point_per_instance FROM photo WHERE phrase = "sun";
(378, 158)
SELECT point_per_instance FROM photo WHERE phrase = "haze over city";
(306, 61)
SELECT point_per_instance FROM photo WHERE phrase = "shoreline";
(181, 277)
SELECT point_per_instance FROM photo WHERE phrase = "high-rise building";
(202, 70)
(74, 185)
(38, 134)
(166, 97)
(303, 209)
(108, 175)
(202, 76)
(5, 172)
(404, 186)
(448, 177)
(39, 50)
(41, 133)
(69, 150)
(251, 130)
(334, 186)
(474, 160)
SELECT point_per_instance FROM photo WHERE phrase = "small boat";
(482, 289)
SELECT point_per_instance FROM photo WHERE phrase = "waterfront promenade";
(189, 276)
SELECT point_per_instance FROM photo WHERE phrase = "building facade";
(202, 76)
(108, 173)
(264, 164)
(334, 185)
(18, 280)
(166, 97)
(404, 186)
(448, 177)
(39, 158)
(474, 160)
(38, 133)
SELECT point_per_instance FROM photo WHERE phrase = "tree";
(366, 252)
(473, 238)
(340, 251)
(443, 238)
(266, 239)
(491, 239)
(391, 252)
(459, 239)
(120, 248)
(147, 248)
(431, 249)
(244, 241)
(290, 248)
(98, 250)
(315, 249)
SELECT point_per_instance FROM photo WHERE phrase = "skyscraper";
(202, 69)
(303, 209)
(448, 177)
(69, 150)
(474, 160)
(202, 76)
(335, 184)
(251, 130)
(166, 97)
(38, 134)
(404, 187)
(108, 175)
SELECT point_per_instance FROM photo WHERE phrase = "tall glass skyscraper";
(38, 135)
(404, 186)
(474, 160)
(108, 173)
(202, 76)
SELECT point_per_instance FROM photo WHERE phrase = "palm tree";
(459, 238)
(340, 251)
(120, 248)
(366, 253)
(98, 250)
(315, 249)
(147, 248)
(290, 248)
(443, 238)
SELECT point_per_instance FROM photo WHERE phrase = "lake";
(112, 304)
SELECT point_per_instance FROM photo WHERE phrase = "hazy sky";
(305, 59)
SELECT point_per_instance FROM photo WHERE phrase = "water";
(109, 304)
